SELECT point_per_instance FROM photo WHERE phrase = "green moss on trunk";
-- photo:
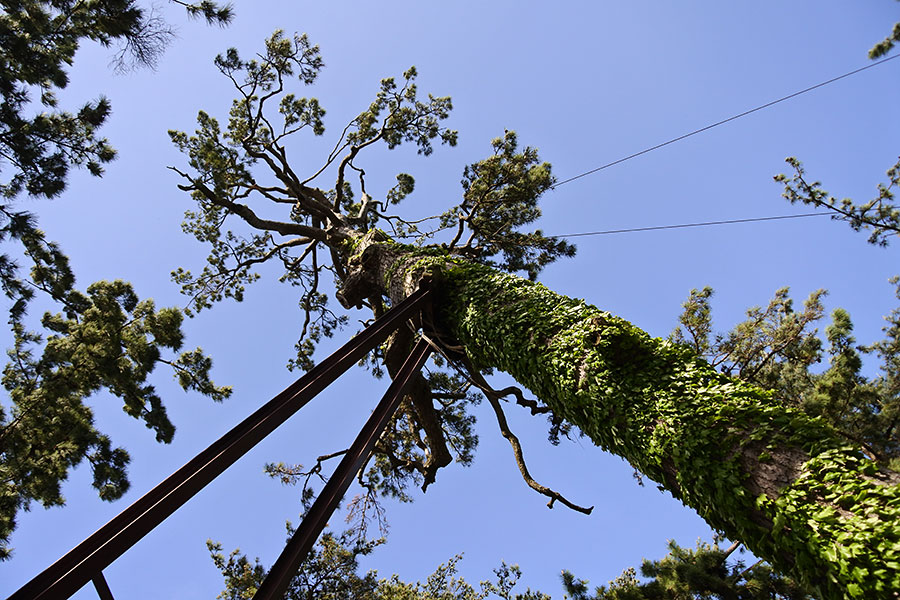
(784, 484)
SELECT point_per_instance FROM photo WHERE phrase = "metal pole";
(277, 581)
(67, 575)
(102, 587)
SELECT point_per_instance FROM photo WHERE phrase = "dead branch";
(479, 381)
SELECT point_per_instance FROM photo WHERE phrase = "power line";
(682, 226)
(722, 122)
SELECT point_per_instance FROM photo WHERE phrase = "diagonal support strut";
(82, 564)
(277, 581)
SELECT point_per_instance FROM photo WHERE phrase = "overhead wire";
(684, 225)
(723, 121)
(701, 130)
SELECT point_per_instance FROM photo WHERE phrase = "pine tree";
(704, 573)
(789, 486)
(881, 215)
(775, 349)
(331, 570)
(103, 337)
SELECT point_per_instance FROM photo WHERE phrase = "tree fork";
(785, 484)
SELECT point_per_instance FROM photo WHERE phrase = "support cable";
(684, 225)
(723, 121)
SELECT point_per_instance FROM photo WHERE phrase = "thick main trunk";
(782, 483)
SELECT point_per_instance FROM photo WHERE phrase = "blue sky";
(586, 83)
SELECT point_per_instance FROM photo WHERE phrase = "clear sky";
(586, 83)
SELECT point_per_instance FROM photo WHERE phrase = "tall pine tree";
(103, 338)
(788, 485)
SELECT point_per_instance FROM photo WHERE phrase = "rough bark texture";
(782, 483)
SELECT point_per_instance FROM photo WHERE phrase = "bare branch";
(532, 405)
(246, 213)
(332, 156)
(307, 200)
(478, 380)
(520, 459)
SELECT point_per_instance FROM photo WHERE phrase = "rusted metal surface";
(79, 566)
(279, 577)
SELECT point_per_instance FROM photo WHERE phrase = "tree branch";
(247, 214)
(493, 399)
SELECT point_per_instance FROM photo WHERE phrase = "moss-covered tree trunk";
(786, 485)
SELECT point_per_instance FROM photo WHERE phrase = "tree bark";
(784, 484)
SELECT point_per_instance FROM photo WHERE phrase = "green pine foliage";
(331, 573)
(500, 195)
(880, 216)
(331, 570)
(38, 42)
(778, 348)
(702, 573)
(887, 44)
(707, 572)
(104, 339)
(101, 339)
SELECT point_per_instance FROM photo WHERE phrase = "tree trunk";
(784, 484)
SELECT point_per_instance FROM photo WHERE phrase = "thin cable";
(722, 122)
(704, 224)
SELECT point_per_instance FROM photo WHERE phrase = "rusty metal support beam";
(277, 581)
(80, 565)
(102, 587)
